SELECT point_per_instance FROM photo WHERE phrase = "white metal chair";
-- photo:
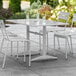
(61, 16)
(12, 38)
(66, 34)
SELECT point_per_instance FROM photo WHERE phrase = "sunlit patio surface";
(59, 67)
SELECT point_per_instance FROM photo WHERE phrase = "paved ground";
(59, 67)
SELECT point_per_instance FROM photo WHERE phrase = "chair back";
(64, 16)
(3, 29)
(73, 19)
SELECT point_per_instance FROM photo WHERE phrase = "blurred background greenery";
(50, 8)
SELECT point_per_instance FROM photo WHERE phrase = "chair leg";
(66, 47)
(1, 45)
(47, 42)
(58, 43)
(4, 60)
(3, 65)
(3, 53)
(71, 45)
(24, 52)
(40, 43)
(29, 55)
(29, 59)
(54, 42)
(17, 49)
(11, 47)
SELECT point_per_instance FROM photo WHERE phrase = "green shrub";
(41, 1)
(53, 3)
(32, 12)
(1, 4)
(5, 13)
(32, 1)
(36, 5)
(25, 0)
(19, 15)
(15, 5)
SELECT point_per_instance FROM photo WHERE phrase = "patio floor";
(59, 67)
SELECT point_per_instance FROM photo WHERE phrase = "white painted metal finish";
(33, 23)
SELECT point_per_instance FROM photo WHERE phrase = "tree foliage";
(14, 5)
(5, 13)
(1, 4)
(36, 5)
(31, 1)
(53, 3)
(41, 1)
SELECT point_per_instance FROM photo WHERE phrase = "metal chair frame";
(12, 38)
(66, 35)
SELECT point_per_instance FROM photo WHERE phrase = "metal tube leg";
(71, 45)
(58, 43)
(44, 52)
(17, 49)
(28, 44)
(54, 42)
(2, 44)
(24, 53)
(40, 43)
(29, 59)
(29, 55)
(4, 60)
(11, 47)
(66, 48)
(4, 54)
(47, 42)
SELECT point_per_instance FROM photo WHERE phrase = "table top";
(38, 22)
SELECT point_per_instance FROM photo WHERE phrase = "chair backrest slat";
(74, 18)
(64, 16)
(3, 29)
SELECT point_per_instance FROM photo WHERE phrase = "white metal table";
(39, 23)
(44, 24)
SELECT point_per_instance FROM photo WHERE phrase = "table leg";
(28, 43)
(44, 41)
(27, 36)
(44, 55)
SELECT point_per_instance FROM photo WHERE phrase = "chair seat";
(64, 34)
(14, 37)
(52, 29)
